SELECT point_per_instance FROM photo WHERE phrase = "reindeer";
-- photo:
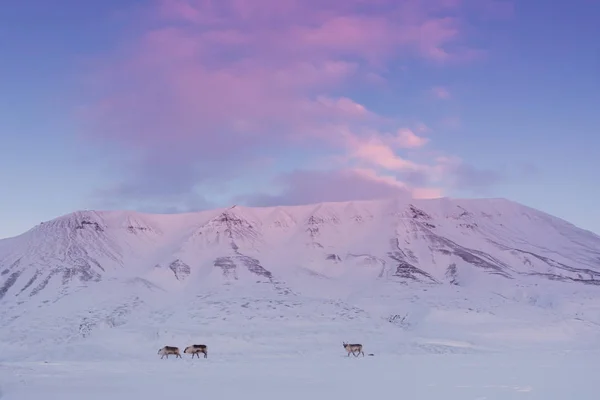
(165, 351)
(195, 349)
(353, 348)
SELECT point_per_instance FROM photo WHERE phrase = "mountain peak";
(326, 250)
(449, 229)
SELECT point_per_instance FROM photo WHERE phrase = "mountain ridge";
(103, 268)
(131, 214)
(242, 231)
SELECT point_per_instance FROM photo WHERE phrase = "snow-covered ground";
(447, 343)
(482, 299)
(331, 375)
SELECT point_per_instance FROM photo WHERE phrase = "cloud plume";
(209, 88)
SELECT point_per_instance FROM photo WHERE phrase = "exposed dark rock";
(416, 213)
(254, 266)
(593, 275)
(452, 274)
(472, 256)
(12, 266)
(180, 269)
(314, 220)
(85, 223)
(9, 283)
(468, 226)
(333, 257)
(399, 320)
(463, 213)
(313, 226)
(81, 269)
(408, 271)
(235, 227)
(228, 266)
(134, 229)
(41, 285)
(230, 219)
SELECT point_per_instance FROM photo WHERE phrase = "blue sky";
(167, 106)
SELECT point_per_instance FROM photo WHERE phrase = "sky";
(183, 105)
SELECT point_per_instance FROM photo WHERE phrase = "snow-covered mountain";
(359, 261)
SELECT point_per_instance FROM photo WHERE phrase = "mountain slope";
(114, 265)
(432, 241)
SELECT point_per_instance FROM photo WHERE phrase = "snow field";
(273, 292)
(517, 375)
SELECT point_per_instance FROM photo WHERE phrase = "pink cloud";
(377, 153)
(406, 138)
(427, 193)
(379, 149)
(215, 85)
(180, 10)
(440, 92)
(370, 148)
(305, 187)
(457, 174)
(298, 29)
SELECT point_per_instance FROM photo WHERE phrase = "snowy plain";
(456, 299)
(448, 347)
(539, 376)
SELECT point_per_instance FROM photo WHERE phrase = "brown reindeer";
(196, 349)
(165, 351)
(354, 348)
